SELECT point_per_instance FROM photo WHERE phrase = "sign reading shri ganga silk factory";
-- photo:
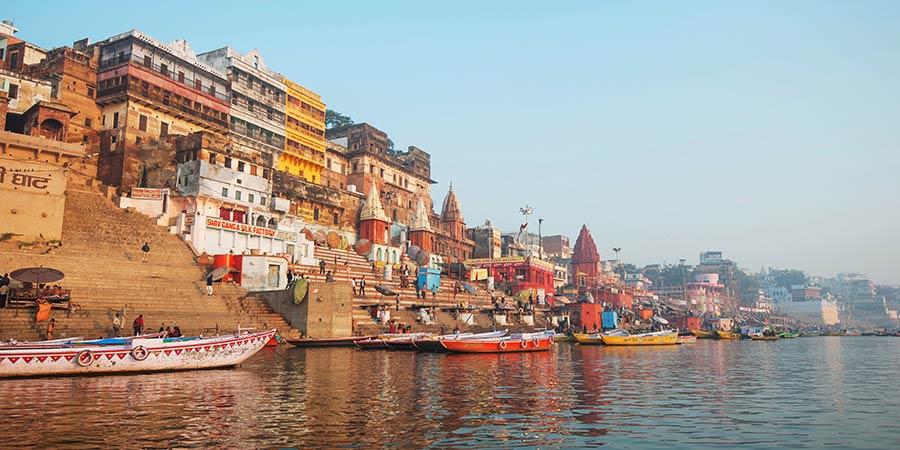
(212, 222)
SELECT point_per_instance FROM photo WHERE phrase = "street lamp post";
(683, 283)
(540, 239)
(617, 250)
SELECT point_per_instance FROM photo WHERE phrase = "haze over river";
(828, 392)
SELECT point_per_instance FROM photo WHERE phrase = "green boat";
(788, 335)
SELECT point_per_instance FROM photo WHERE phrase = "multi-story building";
(335, 173)
(488, 242)
(16, 54)
(146, 90)
(401, 177)
(72, 73)
(304, 150)
(556, 246)
(258, 98)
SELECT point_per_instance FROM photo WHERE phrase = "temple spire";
(420, 220)
(451, 211)
(373, 210)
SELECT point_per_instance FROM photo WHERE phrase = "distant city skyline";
(765, 130)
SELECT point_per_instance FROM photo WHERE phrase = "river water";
(828, 392)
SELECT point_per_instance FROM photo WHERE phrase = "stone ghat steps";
(100, 255)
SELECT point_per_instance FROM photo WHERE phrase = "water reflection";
(802, 393)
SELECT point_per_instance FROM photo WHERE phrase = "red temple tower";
(420, 231)
(373, 222)
(585, 263)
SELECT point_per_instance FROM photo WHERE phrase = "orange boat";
(515, 343)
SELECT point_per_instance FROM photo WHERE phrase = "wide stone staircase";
(347, 264)
(101, 256)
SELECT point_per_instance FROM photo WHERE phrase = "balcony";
(189, 83)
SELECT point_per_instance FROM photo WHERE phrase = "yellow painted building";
(304, 149)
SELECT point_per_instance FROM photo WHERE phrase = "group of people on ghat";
(137, 326)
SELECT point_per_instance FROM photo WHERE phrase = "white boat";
(137, 354)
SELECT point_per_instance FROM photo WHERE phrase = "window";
(337, 218)
(142, 123)
(315, 213)
(164, 69)
(198, 84)
(163, 128)
(237, 195)
(147, 61)
(116, 120)
(212, 90)
(240, 167)
(103, 120)
(84, 139)
(262, 200)
(224, 192)
(250, 198)
(13, 91)
(137, 140)
(212, 158)
(90, 92)
(180, 76)
(228, 162)
(88, 122)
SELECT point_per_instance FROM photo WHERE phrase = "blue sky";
(768, 130)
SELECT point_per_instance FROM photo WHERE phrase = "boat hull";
(756, 337)
(136, 355)
(727, 335)
(541, 344)
(703, 334)
(670, 338)
(327, 342)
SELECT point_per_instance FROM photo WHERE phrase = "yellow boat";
(728, 335)
(703, 334)
(657, 338)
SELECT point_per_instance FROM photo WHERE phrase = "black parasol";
(37, 275)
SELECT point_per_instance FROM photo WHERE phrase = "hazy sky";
(767, 130)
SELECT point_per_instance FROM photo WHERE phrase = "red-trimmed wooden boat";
(515, 343)
(327, 342)
(135, 354)
(687, 339)
(432, 344)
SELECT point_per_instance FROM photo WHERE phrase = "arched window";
(260, 221)
(378, 255)
(273, 225)
(51, 129)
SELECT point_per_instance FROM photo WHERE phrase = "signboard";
(189, 219)
(213, 222)
(147, 193)
(290, 236)
(509, 261)
(32, 178)
(478, 274)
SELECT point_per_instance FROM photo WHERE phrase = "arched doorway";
(260, 221)
(51, 129)
(273, 225)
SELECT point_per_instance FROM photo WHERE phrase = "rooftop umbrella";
(363, 247)
(384, 290)
(660, 320)
(469, 288)
(412, 251)
(37, 275)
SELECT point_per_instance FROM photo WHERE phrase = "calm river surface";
(828, 392)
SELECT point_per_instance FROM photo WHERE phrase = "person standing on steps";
(209, 282)
(118, 323)
(146, 250)
(138, 325)
(322, 267)
(362, 287)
